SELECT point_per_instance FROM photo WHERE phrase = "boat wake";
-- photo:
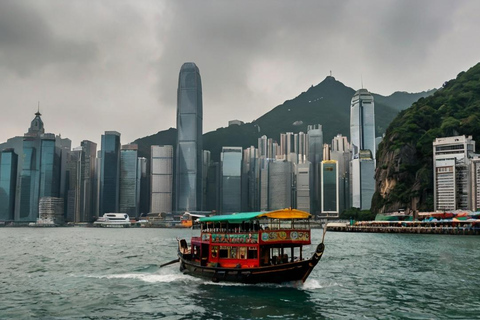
(150, 277)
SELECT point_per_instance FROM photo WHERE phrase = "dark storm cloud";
(114, 64)
(27, 42)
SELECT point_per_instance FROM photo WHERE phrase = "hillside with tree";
(404, 173)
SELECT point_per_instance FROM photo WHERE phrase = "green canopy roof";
(283, 214)
(232, 218)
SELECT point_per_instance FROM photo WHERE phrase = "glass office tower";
(109, 173)
(330, 189)
(188, 170)
(362, 123)
(128, 180)
(49, 167)
(8, 182)
(231, 190)
(315, 156)
(363, 144)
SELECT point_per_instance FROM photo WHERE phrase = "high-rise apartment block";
(452, 173)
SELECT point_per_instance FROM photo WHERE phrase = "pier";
(425, 227)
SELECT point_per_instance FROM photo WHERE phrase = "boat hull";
(280, 273)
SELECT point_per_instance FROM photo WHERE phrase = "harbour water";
(90, 273)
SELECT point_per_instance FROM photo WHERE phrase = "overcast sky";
(113, 65)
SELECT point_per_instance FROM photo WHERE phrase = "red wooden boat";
(251, 247)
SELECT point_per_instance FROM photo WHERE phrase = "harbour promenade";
(460, 223)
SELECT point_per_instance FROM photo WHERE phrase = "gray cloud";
(28, 43)
(113, 65)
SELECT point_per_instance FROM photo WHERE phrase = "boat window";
(223, 253)
(252, 253)
(243, 253)
(233, 252)
(214, 251)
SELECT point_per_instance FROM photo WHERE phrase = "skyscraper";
(362, 133)
(231, 170)
(330, 189)
(161, 178)
(188, 170)
(315, 156)
(109, 193)
(129, 195)
(362, 123)
(8, 182)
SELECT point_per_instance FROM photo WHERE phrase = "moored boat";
(113, 220)
(251, 247)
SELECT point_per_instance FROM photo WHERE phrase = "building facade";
(109, 182)
(231, 183)
(452, 173)
(129, 185)
(8, 183)
(161, 179)
(188, 169)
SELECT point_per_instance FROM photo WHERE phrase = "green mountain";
(327, 103)
(404, 174)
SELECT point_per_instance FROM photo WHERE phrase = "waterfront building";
(8, 183)
(143, 186)
(129, 181)
(475, 183)
(280, 185)
(302, 186)
(315, 156)
(42, 173)
(188, 169)
(362, 180)
(30, 174)
(341, 152)
(250, 179)
(74, 186)
(109, 183)
(363, 145)
(362, 122)
(330, 190)
(451, 174)
(213, 187)
(87, 175)
(161, 179)
(264, 182)
(231, 183)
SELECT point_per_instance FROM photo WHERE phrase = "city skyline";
(92, 74)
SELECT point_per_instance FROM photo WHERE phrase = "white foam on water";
(312, 284)
(148, 277)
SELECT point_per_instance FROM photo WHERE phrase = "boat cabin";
(251, 239)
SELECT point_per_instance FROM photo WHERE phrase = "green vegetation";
(327, 103)
(357, 215)
(452, 110)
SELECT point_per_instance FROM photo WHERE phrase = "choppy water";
(89, 273)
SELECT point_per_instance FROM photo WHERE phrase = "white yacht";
(113, 220)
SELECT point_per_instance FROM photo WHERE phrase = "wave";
(148, 277)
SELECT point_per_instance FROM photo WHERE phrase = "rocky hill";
(327, 103)
(404, 173)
